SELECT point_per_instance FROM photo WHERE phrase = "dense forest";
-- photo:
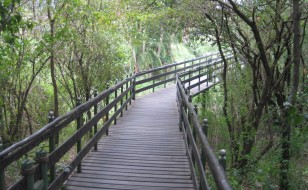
(53, 52)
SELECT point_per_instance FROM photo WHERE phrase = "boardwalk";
(144, 151)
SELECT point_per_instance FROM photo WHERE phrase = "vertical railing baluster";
(126, 95)
(2, 172)
(194, 131)
(187, 114)
(165, 78)
(131, 83)
(121, 101)
(189, 120)
(107, 114)
(180, 115)
(189, 75)
(134, 88)
(78, 127)
(42, 160)
(52, 170)
(175, 74)
(27, 170)
(88, 118)
(203, 161)
(199, 79)
(222, 159)
(180, 102)
(205, 131)
(95, 125)
(208, 76)
(115, 106)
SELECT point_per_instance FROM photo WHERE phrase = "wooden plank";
(134, 174)
(145, 150)
(124, 160)
(141, 163)
(130, 183)
(151, 178)
(139, 157)
(136, 170)
(75, 185)
(136, 167)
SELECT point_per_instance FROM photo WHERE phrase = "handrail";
(175, 64)
(187, 110)
(192, 129)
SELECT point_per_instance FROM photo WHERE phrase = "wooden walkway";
(144, 151)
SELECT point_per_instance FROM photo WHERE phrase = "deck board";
(145, 150)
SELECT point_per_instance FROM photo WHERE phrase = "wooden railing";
(161, 76)
(106, 107)
(200, 154)
(35, 175)
(204, 77)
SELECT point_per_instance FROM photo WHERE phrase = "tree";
(259, 33)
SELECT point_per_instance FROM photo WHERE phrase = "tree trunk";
(52, 68)
(161, 38)
(296, 49)
(286, 127)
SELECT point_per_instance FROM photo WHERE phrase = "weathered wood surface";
(145, 150)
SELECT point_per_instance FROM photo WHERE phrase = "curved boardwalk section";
(145, 150)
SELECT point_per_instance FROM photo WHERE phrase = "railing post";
(2, 173)
(134, 89)
(208, 76)
(115, 106)
(194, 131)
(165, 78)
(180, 114)
(78, 127)
(88, 117)
(205, 131)
(42, 159)
(189, 75)
(121, 101)
(95, 126)
(222, 159)
(52, 170)
(130, 92)
(187, 92)
(107, 114)
(203, 161)
(175, 74)
(199, 78)
(153, 89)
(27, 170)
(126, 95)
(189, 120)
(180, 102)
